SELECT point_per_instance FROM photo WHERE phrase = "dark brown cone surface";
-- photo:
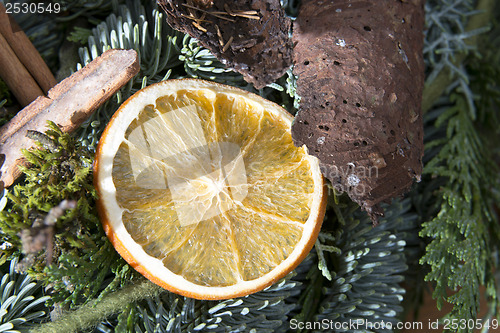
(360, 77)
(251, 37)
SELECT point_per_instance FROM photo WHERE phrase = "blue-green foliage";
(22, 303)
(368, 267)
(264, 312)
(464, 233)
(446, 36)
(200, 63)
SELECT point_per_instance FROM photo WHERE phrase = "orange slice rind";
(202, 190)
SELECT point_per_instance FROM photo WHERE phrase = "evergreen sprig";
(265, 311)
(138, 27)
(201, 63)
(368, 268)
(447, 36)
(22, 303)
(465, 233)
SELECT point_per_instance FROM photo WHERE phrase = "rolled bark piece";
(26, 52)
(251, 37)
(68, 105)
(360, 77)
(16, 76)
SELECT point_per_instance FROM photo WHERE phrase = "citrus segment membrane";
(206, 193)
(206, 260)
(252, 230)
(286, 193)
(237, 120)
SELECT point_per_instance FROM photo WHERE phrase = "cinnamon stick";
(68, 105)
(16, 76)
(25, 51)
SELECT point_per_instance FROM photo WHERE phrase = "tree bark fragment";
(360, 77)
(251, 37)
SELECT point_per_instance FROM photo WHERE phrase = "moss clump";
(83, 261)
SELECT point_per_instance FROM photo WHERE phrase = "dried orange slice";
(202, 190)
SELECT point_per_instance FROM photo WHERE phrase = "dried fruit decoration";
(360, 77)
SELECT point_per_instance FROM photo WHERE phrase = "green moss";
(83, 258)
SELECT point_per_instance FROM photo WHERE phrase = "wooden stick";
(25, 51)
(68, 105)
(16, 76)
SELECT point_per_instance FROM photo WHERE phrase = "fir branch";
(264, 311)
(144, 30)
(145, 307)
(368, 270)
(22, 304)
(200, 63)
(441, 34)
